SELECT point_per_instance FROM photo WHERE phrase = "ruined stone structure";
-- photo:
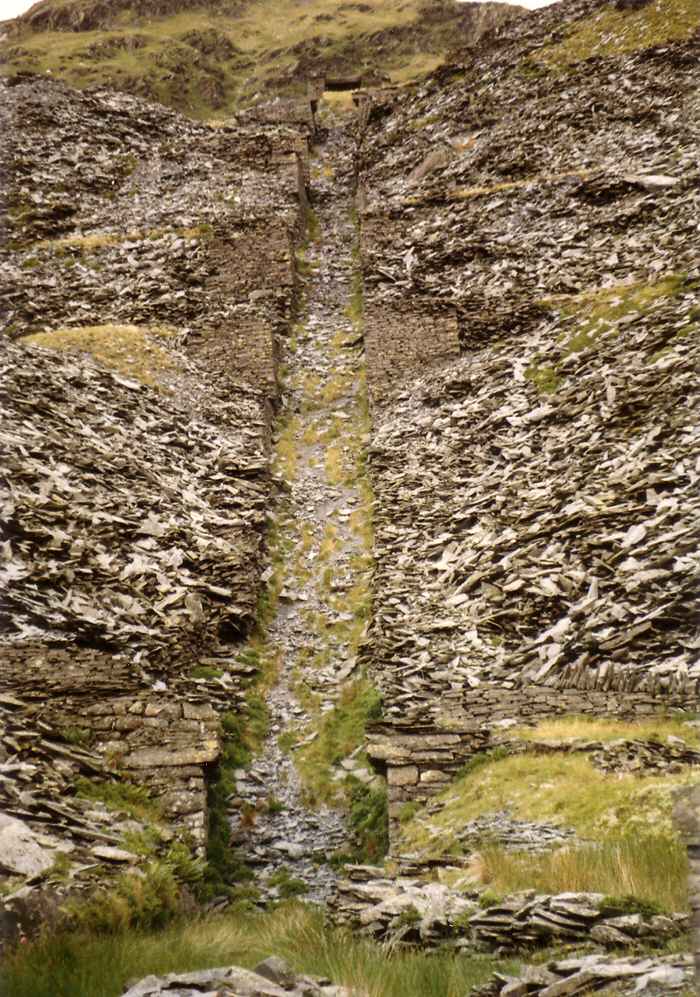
(402, 339)
(419, 760)
(535, 489)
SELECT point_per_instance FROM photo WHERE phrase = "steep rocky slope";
(536, 491)
(529, 250)
(184, 373)
(147, 271)
(207, 58)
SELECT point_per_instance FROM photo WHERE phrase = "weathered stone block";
(434, 776)
(404, 775)
(154, 757)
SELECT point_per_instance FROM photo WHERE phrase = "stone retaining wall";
(419, 760)
(405, 339)
(165, 740)
(253, 266)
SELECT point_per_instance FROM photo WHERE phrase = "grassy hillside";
(212, 57)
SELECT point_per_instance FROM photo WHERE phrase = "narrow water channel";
(323, 550)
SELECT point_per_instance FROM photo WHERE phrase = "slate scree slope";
(527, 260)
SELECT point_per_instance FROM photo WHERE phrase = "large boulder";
(20, 852)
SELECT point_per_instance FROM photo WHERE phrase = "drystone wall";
(164, 740)
(402, 340)
(420, 760)
(403, 909)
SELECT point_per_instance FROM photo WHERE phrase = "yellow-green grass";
(340, 732)
(595, 314)
(286, 457)
(467, 193)
(135, 351)
(590, 728)
(87, 965)
(565, 790)
(336, 472)
(88, 243)
(598, 310)
(263, 34)
(651, 868)
(416, 66)
(610, 32)
(339, 102)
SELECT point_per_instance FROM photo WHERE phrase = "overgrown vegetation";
(605, 810)
(287, 885)
(340, 732)
(86, 965)
(80, 737)
(120, 795)
(145, 899)
(368, 821)
(226, 868)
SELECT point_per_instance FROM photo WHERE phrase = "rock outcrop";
(271, 978)
(649, 977)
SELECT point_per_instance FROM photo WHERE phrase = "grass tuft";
(648, 869)
(85, 965)
(122, 796)
(340, 732)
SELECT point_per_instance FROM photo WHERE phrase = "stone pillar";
(687, 817)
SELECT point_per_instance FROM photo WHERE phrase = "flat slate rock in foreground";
(234, 981)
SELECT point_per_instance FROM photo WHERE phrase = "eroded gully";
(323, 546)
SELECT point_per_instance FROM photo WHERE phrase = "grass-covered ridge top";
(207, 57)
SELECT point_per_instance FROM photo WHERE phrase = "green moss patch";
(598, 312)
